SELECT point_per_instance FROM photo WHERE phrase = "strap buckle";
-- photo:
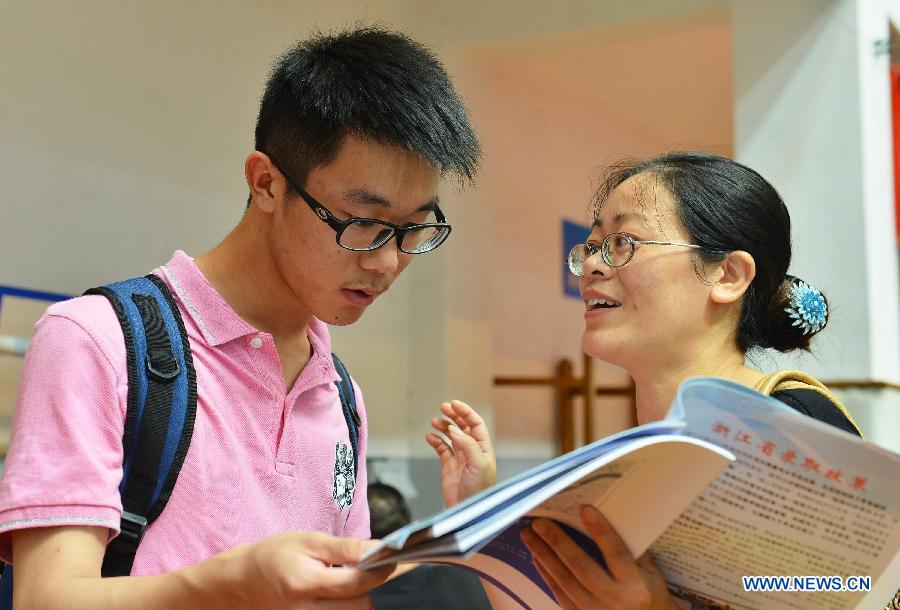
(132, 528)
(163, 364)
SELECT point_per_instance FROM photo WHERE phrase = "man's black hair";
(388, 510)
(369, 82)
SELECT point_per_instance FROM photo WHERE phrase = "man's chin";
(343, 318)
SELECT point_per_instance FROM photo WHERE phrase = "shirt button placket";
(257, 343)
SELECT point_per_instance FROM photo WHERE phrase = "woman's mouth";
(595, 304)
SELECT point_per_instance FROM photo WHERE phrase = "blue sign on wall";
(572, 233)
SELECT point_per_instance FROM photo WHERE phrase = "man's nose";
(385, 259)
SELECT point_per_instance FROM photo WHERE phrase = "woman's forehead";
(641, 199)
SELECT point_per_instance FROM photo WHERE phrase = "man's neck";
(242, 272)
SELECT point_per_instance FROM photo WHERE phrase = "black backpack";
(162, 404)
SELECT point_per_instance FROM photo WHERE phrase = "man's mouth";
(596, 303)
(360, 297)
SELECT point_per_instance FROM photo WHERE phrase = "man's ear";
(261, 180)
(737, 271)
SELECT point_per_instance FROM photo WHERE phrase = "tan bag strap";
(798, 380)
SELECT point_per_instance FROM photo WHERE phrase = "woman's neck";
(657, 383)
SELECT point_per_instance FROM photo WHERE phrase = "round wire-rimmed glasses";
(616, 250)
(364, 234)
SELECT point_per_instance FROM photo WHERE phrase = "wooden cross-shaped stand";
(568, 387)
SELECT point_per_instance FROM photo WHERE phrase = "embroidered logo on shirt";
(344, 481)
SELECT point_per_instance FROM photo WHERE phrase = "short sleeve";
(64, 462)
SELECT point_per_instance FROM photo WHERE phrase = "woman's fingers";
(561, 598)
(468, 420)
(563, 583)
(566, 561)
(585, 583)
(441, 425)
(618, 558)
(467, 445)
(466, 430)
(646, 562)
(444, 451)
(436, 440)
(461, 441)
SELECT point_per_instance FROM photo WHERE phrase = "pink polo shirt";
(261, 461)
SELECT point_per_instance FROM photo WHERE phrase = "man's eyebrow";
(366, 196)
(431, 206)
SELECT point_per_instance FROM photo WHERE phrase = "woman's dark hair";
(727, 206)
(371, 83)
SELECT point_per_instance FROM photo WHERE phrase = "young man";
(354, 132)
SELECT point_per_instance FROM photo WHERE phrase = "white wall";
(812, 115)
(554, 111)
(124, 129)
(489, 303)
(125, 125)
(123, 134)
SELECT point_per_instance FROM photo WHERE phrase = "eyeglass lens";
(577, 255)
(367, 235)
(616, 249)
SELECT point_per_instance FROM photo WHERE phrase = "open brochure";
(731, 484)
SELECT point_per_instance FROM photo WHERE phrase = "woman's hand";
(468, 463)
(579, 582)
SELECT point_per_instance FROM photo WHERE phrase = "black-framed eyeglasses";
(364, 234)
(616, 249)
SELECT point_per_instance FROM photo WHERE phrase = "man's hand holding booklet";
(732, 484)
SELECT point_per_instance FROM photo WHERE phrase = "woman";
(684, 273)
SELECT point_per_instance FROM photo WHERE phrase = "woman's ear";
(737, 270)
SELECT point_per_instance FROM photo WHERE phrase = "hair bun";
(801, 313)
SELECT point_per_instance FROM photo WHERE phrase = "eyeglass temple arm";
(664, 243)
(333, 222)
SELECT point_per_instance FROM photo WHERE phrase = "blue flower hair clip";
(807, 307)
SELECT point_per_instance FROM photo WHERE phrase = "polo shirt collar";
(215, 318)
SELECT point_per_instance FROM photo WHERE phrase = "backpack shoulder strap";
(790, 379)
(162, 405)
(348, 403)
